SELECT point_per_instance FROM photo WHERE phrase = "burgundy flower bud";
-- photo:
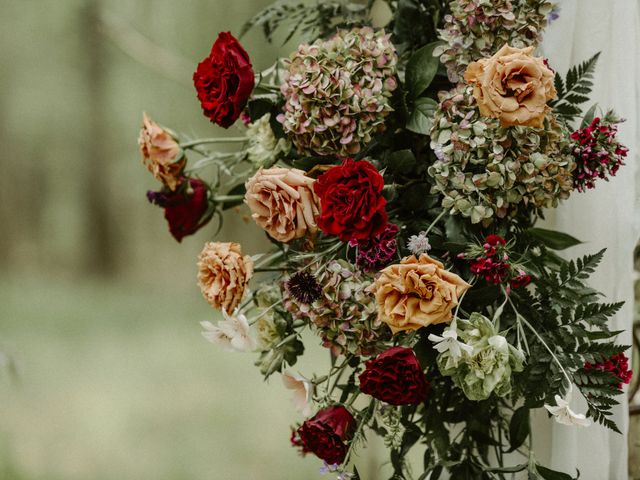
(395, 377)
(185, 209)
(327, 434)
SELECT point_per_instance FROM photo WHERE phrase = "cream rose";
(223, 274)
(161, 154)
(283, 203)
(513, 86)
(416, 293)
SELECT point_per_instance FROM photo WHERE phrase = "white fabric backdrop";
(607, 216)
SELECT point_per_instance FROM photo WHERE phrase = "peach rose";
(283, 203)
(416, 293)
(513, 86)
(223, 274)
(161, 154)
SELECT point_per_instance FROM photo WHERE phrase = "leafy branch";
(573, 91)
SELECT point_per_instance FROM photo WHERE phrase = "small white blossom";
(302, 392)
(233, 333)
(418, 244)
(564, 415)
(449, 342)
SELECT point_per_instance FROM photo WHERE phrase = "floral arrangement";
(399, 174)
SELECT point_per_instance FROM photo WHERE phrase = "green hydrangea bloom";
(489, 367)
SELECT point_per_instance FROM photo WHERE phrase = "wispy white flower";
(449, 342)
(564, 415)
(418, 244)
(302, 392)
(233, 333)
(264, 147)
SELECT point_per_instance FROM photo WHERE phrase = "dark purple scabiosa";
(597, 152)
(303, 287)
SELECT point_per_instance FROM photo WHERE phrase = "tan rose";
(160, 153)
(223, 274)
(283, 203)
(513, 86)
(416, 293)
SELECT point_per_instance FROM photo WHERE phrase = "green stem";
(227, 198)
(433, 224)
(201, 141)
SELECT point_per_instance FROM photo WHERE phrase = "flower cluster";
(485, 171)
(617, 365)
(486, 366)
(344, 315)
(337, 92)
(492, 262)
(388, 224)
(596, 151)
(473, 28)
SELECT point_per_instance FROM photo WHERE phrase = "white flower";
(302, 392)
(233, 333)
(449, 342)
(564, 415)
(264, 147)
(418, 244)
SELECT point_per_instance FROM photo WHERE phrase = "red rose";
(224, 80)
(351, 201)
(185, 209)
(327, 434)
(395, 377)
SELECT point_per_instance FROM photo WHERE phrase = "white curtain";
(607, 216)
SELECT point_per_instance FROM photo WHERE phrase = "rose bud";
(327, 434)
(185, 209)
(395, 377)
(224, 81)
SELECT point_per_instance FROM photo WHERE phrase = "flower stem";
(201, 141)
(433, 224)
(227, 198)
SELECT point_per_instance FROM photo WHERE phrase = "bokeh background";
(103, 372)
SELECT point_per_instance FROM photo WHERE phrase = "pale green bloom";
(264, 148)
(489, 366)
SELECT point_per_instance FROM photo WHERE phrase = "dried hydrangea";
(345, 315)
(264, 148)
(474, 28)
(338, 92)
(484, 171)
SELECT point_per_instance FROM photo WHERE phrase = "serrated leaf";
(422, 115)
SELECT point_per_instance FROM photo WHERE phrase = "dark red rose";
(224, 80)
(327, 434)
(520, 280)
(185, 209)
(617, 365)
(351, 200)
(395, 377)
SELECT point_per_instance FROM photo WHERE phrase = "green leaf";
(519, 428)
(259, 107)
(553, 239)
(421, 68)
(422, 115)
(588, 117)
(402, 161)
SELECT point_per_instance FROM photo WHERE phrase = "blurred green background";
(106, 375)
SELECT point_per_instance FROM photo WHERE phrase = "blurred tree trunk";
(99, 254)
